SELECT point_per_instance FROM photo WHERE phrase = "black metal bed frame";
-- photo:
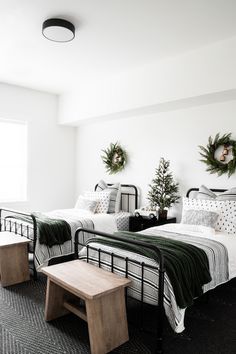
(159, 268)
(15, 227)
(217, 190)
(30, 231)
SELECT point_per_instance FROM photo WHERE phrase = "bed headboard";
(216, 190)
(129, 197)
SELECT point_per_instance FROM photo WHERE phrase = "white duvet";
(174, 314)
(102, 222)
(228, 240)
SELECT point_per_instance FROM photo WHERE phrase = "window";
(13, 161)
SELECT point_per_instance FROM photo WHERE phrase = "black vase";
(163, 214)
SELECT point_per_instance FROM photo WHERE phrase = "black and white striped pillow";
(205, 193)
(114, 204)
(230, 194)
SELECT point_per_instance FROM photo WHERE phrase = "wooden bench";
(14, 267)
(103, 295)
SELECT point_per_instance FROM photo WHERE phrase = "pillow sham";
(200, 217)
(226, 210)
(114, 205)
(103, 199)
(86, 204)
(205, 193)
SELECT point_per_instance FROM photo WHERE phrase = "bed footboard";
(80, 243)
(9, 222)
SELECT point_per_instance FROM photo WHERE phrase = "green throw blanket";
(51, 231)
(186, 265)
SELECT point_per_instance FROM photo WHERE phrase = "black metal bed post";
(160, 278)
(135, 193)
(160, 305)
(35, 274)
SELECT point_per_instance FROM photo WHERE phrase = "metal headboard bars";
(18, 228)
(197, 189)
(133, 194)
(161, 270)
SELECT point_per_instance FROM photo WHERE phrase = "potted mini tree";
(163, 190)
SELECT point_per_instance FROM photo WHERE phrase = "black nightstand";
(139, 223)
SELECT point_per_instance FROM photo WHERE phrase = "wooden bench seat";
(104, 297)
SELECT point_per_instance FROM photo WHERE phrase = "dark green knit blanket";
(186, 265)
(50, 231)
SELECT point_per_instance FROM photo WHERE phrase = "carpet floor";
(211, 325)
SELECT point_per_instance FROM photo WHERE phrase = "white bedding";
(228, 240)
(102, 222)
(75, 218)
(173, 312)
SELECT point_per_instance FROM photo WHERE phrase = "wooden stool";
(103, 293)
(14, 267)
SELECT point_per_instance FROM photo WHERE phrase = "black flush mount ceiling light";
(58, 30)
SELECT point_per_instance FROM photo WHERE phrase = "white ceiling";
(111, 36)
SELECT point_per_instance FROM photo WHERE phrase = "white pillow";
(103, 199)
(114, 205)
(226, 209)
(86, 204)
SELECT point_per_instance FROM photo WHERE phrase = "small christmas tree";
(163, 190)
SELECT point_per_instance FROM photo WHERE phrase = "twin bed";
(213, 231)
(44, 253)
(208, 229)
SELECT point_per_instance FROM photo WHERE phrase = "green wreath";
(208, 154)
(114, 158)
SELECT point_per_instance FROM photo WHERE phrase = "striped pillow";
(114, 204)
(207, 194)
(230, 194)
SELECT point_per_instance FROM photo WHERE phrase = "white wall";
(173, 135)
(51, 148)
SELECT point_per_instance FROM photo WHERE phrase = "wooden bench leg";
(107, 322)
(55, 297)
